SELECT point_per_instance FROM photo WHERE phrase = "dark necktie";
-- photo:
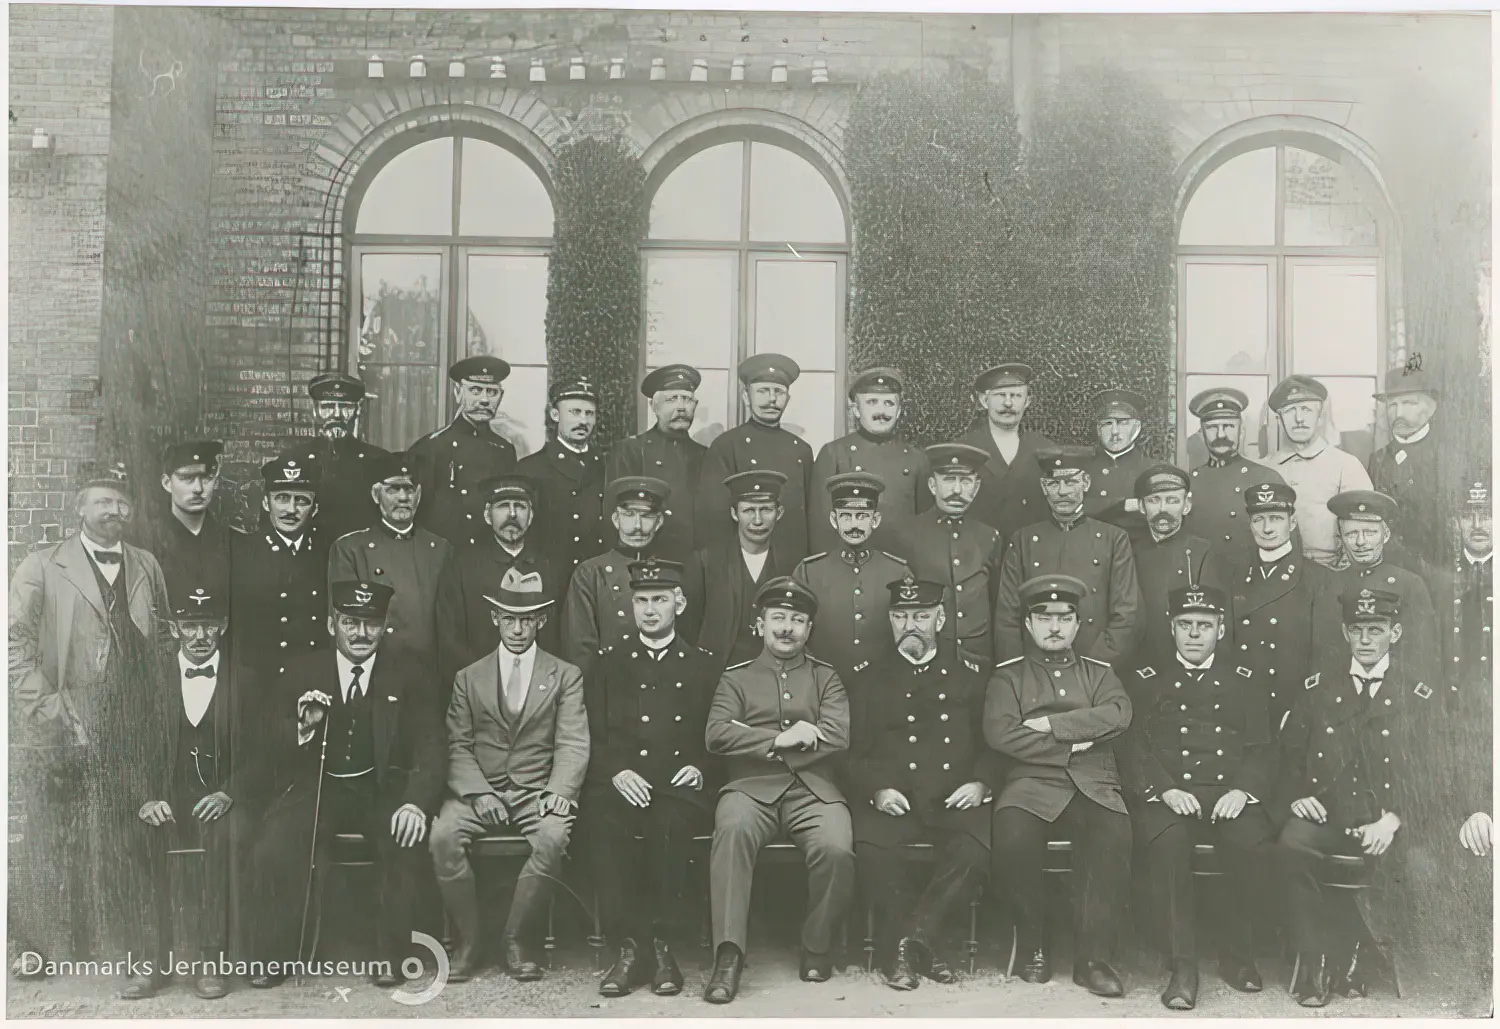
(354, 687)
(107, 557)
(1369, 684)
(206, 672)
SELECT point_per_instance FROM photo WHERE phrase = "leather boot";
(628, 971)
(142, 987)
(815, 968)
(911, 960)
(462, 902)
(1349, 979)
(724, 984)
(527, 906)
(1313, 984)
(1181, 993)
(667, 982)
(1098, 978)
(1036, 966)
(210, 987)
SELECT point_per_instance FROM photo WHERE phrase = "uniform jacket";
(450, 464)
(346, 470)
(756, 447)
(1418, 650)
(1084, 701)
(547, 750)
(465, 630)
(1273, 628)
(754, 702)
(852, 625)
(1163, 566)
(278, 601)
(1317, 477)
(597, 611)
(648, 714)
(1466, 616)
(720, 615)
(964, 554)
(569, 524)
(1218, 513)
(1417, 476)
(1010, 493)
(1093, 551)
(677, 461)
(188, 561)
(412, 565)
(902, 466)
(1112, 482)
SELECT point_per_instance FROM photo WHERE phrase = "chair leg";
(1010, 965)
(596, 941)
(869, 937)
(973, 941)
(551, 942)
(1296, 967)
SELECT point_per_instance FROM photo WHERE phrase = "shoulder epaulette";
(703, 650)
(814, 557)
(742, 664)
(971, 665)
(1095, 660)
(893, 557)
(1012, 661)
(861, 666)
(1423, 690)
(1312, 680)
(819, 661)
(356, 532)
(1242, 670)
(1146, 673)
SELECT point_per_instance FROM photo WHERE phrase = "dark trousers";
(1322, 920)
(192, 891)
(956, 876)
(1101, 863)
(640, 884)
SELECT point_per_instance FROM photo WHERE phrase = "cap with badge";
(392, 468)
(855, 491)
(199, 605)
(1270, 496)
(287, 473)
(910, 592)
(758, 484)
(1295, 388)
(520, 593)
(1118, 403)
(1041, 590)
(956, 458)
(360, 598)
(636, 489)
(508, 486)
(1011, 373)
(777, 368)
(784, 591)
(574, 389)
(1056, 460)
(1404, 379)
(877, 380)
(671, 376)
(1160, 478)
(1219, 402)
(112, 474)
(336, 386)
(655, 573)
(1475, 493)
(1203, 600)
(483, 369)
(193, 452)
(1363, 505)
(1369, 605)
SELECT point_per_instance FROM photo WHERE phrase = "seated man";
(919, 773)
(1350, 752)
(1055, 714)
(780, 721)
(1198, 762)
(649, 776)
(518, 745)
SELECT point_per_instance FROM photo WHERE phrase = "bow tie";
(1370, 683)
(107, 557)
(206, 672)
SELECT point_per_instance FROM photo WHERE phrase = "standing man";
(666, 451)
(649, 777)
(1468, 606)
(720, 582)
(1312, 466)
(345, 462)
(779, 722)
(874, 447)
(1070, 543)
(400, 554)
(761, 442)
(193, 545)
(1054, 713)
(850, 584)
(453, 462)
(919, 772)
(1008, 496)
(1117, 461)
(1411, 468)
(1168, 557)
(1220, 483)
(947, 544)
(569, 477)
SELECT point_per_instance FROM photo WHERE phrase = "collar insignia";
(1147, 672)
(1312, 680)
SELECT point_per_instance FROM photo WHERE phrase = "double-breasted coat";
(278, 605)
(677, 461)
(755, 447)
(451, 464)
(1165, 565)
(1273, 629)
(597, 611)
(964, 554)
(1218, 513)
(1010, 492)
(1419, 648)
(1112, 483)
(569, 523)
(852, 626)
(412, 563)
(1417, 475)
(346, 470)
(901, 465)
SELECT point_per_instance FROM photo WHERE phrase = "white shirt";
(1207, 664)
(577, 450)
(294, 545)
(507, 660)
(658, 648)
(919, 661)
(1477, 560)
(1318, 474)
(400, 534)
(1270, 557)
(111, 570)
(1414, 437)
(346, 674)
(755, 562)
(1378, 672)
(1008, 443)
(197, 692)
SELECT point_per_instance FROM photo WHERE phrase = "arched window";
(747, 252)
(1280, 271)
(448, 257)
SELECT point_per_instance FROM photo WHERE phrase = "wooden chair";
(921, 853)
(1352, 872)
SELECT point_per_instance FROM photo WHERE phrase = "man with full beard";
(346, 465)
(1219, 484)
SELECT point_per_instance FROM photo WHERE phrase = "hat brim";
(518, 607)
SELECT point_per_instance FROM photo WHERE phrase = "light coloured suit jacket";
(546, 748)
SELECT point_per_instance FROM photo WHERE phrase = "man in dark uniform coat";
(369, 759)
(1413, 469)
(569, 477)
(779, 722)
(1009, 495)
(1055, 713)
(1353, 748)
(649, 776)
(1467, 607)
(947, 544)
(1198, 765)
(192, 545)
(721, 581)
(453, 462)
(874, 446)
(760, 442)
(1070, 543)
(1220, 483)
(666, 452)
(1169, 557)
(919, 772)
(345, 462)
(1117, 461)
(850, 582)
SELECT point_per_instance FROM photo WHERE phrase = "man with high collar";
(1220, 482)
(1469, 598)
(1117, 460)
(453, 462)
(596, 613)
(875, 447)
(1354, 744)
(192, 544)
(345, 462)
(1069, 542)
(1198, 765)
(1168, 557)
(666, 451)
(649, 777)
(1312, 466)
(779, 722)
(919, 772)
(1008, 495)
(760, 442)
(569, 477)
(948, 544)
(1410, 469)
(850, 582)
(1055, 713)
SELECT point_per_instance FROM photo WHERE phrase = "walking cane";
(312, 857)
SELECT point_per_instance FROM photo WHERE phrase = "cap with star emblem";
(755, 485)
(1475, 492)
(1055, 460)
(1118, 403)
(671, 376)
(877, 380)
(956, 458)
(1363, 505)
(1041, 590)
(336, 386)
(1196, 600)
(394, 468)
(1010, 373)
(636, 489)
(911, 592)
(1402, 379)
(104, 473)
(285, 473)
(1369, 605)
(1160, 478)
(855, 491)
(520, 593)
(776, 368)
(655, 573)
(360, 598)
(574, 389)
(508, 486)
(1295, 388)
(784, 591)
(199, 605)
(484, 369)
(194, 452)
(1218, 402)
(1270, 496)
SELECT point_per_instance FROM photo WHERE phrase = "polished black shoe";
(906, 970)
(519, 964)
(816, 968)
(667, 981)
(1037, 967)
(724, 983)
(143, 986)
(1349, 980)
(1098, 978)
(1312, 986)
(1242, 976)
(938, 970)
(1181, 993)
(210, 987)
(627, 972)
(266, 982)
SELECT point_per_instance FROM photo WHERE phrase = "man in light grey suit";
(518, 747)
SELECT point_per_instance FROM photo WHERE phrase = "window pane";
(690, 309)
(401, 308)
(523, 415)
(790, 199)
(1334, 317)
(701, 197)
(1252, 429)
(796, 311)
(500, 195)
(413, 194)
(1235, 205)
(1323, 205)
(402, 405)
(1225, 317)
(507, 301)
(814, 412)
(1351, 402)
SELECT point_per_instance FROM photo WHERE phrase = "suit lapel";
(1260, 592)
(542, 689)
(486, 689)
(76, 567)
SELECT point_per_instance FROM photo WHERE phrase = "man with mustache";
(345, 462)
(596, 613)
(1008, 496)
(569, 477)
(1317, 470)
(1220, 483)
(400, 554)
(666, 451)
(875, 447)
(192, 543)
(453, 462)
(850, 583)
(1169, 557)
(1412, 468)
(948, 544)
(1469, 613)
(761, 442)
(1117, 461)
(1069, 542)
